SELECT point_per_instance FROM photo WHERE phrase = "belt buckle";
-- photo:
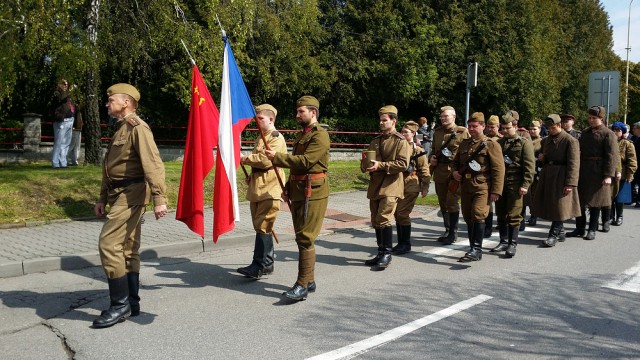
(467, 176)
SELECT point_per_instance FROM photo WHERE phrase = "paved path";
(74, 244)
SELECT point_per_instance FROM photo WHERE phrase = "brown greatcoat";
(560, 168)
(443, 170)
(528, 198)
(599, 156)
(627, 165)
(393, 152)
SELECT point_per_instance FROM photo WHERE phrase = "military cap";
(266, 107)
(447, 108)
(493, 120)
(476, 117)
(123, 88)
(619, 125)
(510, 116)
(567, 117)
(411, 125)
(308, 101)
(552, 119)
(388, 109)
(535, 123)
(598, 111)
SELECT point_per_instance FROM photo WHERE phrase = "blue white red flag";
(236, 112)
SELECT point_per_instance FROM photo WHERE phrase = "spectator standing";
(63, 114)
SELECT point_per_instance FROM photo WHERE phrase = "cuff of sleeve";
(159, 200)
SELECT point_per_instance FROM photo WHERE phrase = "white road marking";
(629, 280)
(461, 245)
(365, 345)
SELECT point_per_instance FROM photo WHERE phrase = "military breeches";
(475, 204)
(404, 208)
(263, 215)
(382, 211)
(119, 241)
(448, 201)
(509, 206)
(307, 230)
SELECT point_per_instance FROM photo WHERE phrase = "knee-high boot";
(445, 219)
(119, 309)
(488, 225)
(454, 217)
(133, 279)
(374, 261)
(619, 208)
(387, 242)
(606, 219)
(513, 241)
(404, 239)
(581, 222)
(504, 242)
(477, 236)
(594, 219)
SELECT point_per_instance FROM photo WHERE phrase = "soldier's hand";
(456, 176)
(98, 209)
(618, 176)
(567, 190)
(375, 166)
(540, 157)
(434, 161)
(494, 197)
(606, 181)
(523, 191)
(285, 196)
(270, 154)
(160, 211)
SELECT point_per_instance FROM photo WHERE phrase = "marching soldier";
(264, 192)
(307, 188)
(132, 174)
(519, 166)
(567, 124)
(492, 131)
(479, 168)
(446, 139)
(522, 132)
(386, 186)
(416, 181)
(556, 197)
(599, 155)
(624, 173)
(534, 131)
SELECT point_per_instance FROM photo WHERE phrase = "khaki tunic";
(627, 166)
(132, 154)
(599, 156)
(522, 132)
(560, 168)
(518, 174)
(386, 185)
(476, 186)
(263, 182)
(441, 174)
(310, 156)
(415, 181)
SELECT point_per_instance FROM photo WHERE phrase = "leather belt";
(257, 170)
(307, 176)
(114, 184)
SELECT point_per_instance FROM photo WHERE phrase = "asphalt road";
(544, 303)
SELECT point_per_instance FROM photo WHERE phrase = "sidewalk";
(74, 244)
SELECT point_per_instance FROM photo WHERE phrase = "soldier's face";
(447, 118)
(116, 105)
(475, 129)
(594, 121)
(618, 132)
(567, 124)
(304, 115)
(492, 130)
(264, 121)
(508, 129)
(386, 123)
(636, 131)
(554, 129)
(408, 135)
(534, 131)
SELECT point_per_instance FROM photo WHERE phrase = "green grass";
(36, 192)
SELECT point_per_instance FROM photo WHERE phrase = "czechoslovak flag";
(236, 112)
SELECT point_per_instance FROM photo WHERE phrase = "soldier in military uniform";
(492, 131)
(446, 139)
(307, 188)
(264, 192)
(567, 124)
(625, 170)
(416, 181)
(599, 155)
(386, 186)
(556, 197)
(519, 171)
(534, 131)
(132, 174)
(479, 167)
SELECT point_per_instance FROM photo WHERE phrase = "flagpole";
(193, 62)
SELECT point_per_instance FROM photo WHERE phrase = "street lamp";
(626, 86)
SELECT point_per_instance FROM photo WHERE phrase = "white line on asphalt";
(629, 280)
(365, 345)
(434, 252)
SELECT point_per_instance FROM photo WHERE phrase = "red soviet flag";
(202, 137)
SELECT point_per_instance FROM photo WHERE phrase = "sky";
(618, 11)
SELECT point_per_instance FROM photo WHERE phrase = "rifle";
(439, 154)
(454, 184)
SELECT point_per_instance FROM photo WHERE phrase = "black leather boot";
(606, 219)
(297, 292)
(554, 234)
(387, 241)
(133, 279)
(619, 207)
(477, 236)
(374, 261)
(453, 228)
(594, 220)
(561, 234)
(404, 240)
(522, 223)
(581, 222)
(533, 220)
(488, 226)
(513, 242)
(445, 219)
(504, 242)
(263, 253)
(119, 309)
